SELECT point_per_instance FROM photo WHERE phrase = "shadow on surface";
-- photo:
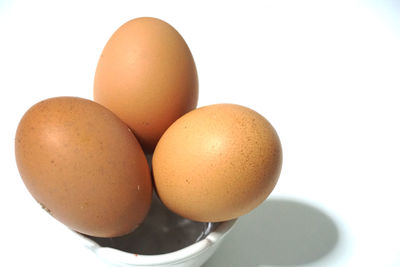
(279, 232)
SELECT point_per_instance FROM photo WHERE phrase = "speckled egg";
(84, 166)
(217, 163)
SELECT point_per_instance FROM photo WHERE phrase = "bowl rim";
(125, 258)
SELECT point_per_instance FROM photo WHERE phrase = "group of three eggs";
(85, 161)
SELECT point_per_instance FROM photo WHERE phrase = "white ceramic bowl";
(164, 239)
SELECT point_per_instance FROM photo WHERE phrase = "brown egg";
(84, 166)
(147, 76)
(217, 163)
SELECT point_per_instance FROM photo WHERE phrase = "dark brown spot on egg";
(45, 208)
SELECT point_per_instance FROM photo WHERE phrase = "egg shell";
(147, 76)
(217, 163)
(84, 166)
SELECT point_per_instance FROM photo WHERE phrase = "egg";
(84, 166)
(147, 76)
(217, 163)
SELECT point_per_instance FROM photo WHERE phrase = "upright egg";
(147, 76)
(217, 163)
(84, 166)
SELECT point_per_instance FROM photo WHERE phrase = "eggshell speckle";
(84, 166)
(217, 163)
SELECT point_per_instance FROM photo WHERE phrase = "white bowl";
(164, 239)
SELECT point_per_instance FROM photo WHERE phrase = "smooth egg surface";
(147, 76)
(84, 166)
(217, 163)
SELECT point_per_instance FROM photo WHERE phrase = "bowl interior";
(161, 232)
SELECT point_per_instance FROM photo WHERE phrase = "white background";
(326, 74)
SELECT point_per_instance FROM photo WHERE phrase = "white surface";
(325, 73)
